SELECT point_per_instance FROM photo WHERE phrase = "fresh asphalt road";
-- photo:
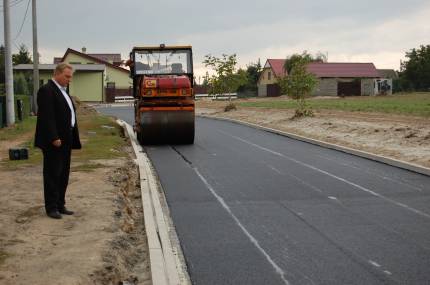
(251, 207)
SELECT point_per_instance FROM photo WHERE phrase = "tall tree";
(299, 83)
(415, 71)
(22, 57)
(252, 73)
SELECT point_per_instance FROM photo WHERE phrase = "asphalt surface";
(251, 207)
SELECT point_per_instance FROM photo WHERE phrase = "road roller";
(163, 84)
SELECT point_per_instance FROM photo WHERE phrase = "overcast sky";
(378, 31)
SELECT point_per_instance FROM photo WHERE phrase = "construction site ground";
(104, 242)
(401, 137)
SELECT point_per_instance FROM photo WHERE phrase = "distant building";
(334, 79)
(98, 77)
(87, 83)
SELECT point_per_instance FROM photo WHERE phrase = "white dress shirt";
(69, 102)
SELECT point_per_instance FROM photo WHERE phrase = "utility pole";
(35, 58)
(10, 107)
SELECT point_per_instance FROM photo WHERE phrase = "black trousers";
(56, 169)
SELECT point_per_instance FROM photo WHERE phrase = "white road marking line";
(418, 212)
(274, 169)
(332, 198)
(242, 227)
(374, 263)
(371, 173)
(388, 272)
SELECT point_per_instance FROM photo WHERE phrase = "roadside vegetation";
(101, 138)
(416, 104)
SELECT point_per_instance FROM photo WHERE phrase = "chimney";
(84, 50)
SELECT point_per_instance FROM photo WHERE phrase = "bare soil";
(104, 242)
(406, 138)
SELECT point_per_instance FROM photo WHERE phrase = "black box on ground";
(18, 153)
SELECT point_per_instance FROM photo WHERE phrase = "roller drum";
(166, 127)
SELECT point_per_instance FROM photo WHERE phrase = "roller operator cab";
(163, 91)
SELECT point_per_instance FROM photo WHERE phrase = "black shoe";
(64, 211)
(54, 214)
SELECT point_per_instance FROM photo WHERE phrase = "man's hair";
(61, 66)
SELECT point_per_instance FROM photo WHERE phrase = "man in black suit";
(56, 135)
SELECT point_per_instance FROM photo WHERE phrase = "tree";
(415, 71)
(299, 83)
(225, 80)
(20, 84)
(252, 73)
(22, 57)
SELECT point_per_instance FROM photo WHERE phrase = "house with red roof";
(334, 78)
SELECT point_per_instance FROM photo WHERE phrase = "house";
(97, 78)
(87, 83)
(267, 82)
(334, 79)
(117, 81)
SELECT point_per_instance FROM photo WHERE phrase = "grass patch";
(101, 138)
(86, 167)
(417, 104)
(3, 256)
(20, 128)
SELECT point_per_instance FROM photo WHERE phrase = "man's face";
(65, 77)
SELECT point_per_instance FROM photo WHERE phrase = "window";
(110, 85)
(40, 82)
(269, 75)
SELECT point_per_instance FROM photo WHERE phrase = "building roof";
(330, 69)
(110, 57)
(277, 66)
(76, 67)
(341, 69)
(388, 73)
(87, 56)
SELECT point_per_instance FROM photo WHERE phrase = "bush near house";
(26, 107)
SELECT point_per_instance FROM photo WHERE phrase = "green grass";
(417, 104)
(101, 138)
(3, 256)
(20, 128)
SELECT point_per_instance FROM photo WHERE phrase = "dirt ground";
(104, 242)
(406, 138)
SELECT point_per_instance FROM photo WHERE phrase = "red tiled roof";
(329, 69)
(111, 57)
(277, 67)
(69, 50)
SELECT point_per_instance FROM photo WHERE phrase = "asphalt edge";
(164, 266)
(379, 158)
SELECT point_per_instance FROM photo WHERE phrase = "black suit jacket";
(54, 119)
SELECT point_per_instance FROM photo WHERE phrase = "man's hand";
(57, 143)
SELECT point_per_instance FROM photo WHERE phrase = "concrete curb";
(163, 263)
(390, 161)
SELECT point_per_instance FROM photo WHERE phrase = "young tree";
(22, 57)
(415, 71)
(299, 83)
(224, 80)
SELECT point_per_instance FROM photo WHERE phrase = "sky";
(378, 31)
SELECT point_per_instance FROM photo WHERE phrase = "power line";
(13, 3)
(23, 21)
